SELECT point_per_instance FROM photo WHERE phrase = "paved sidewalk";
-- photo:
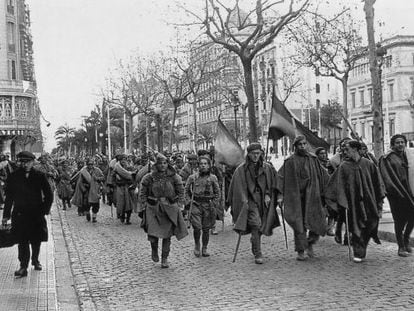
(50, 289)
(37, 291)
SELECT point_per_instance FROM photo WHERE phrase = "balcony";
(12, 87)
(18, 126)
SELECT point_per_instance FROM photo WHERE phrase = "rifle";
(354, 134)
(348, 234)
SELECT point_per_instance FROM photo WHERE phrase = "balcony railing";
(18, 86)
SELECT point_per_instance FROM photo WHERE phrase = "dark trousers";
(304, 239)
(24, 253)
(94, 206)
(403, 215)
(360, 243)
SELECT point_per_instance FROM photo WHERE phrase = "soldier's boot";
(128, 218)
(197, 234)
(205, 239)
(69, 204)
(63, 205)
(94, 217)
(256, 246)
(165, 252)
(154, 251)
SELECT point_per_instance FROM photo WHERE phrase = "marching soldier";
(202, 193)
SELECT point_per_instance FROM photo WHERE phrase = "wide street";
(113, 271)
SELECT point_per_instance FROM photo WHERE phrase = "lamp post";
(109, 131)
(125, 134)
(235, 104)
(380, 53)
(157, 112)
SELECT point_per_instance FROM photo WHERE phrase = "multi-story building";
(218, 92)
(397, 80)
(300, 88)
(19, 108)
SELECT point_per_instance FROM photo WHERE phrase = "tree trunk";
(195, 125)
(378, 121)
(170, 143)
(247, 68)
(344, 82)
(130, 128)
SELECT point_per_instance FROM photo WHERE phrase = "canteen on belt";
(410, 158)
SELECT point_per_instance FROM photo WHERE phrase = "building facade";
(397, 78)
(19, 107)
(299, 88)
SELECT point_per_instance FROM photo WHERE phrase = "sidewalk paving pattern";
(110, 267)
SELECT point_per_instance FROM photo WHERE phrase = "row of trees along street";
(151, 89)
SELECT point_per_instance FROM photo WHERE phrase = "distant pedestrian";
(162, 194)
(394, 170)
(87, 191)
(252, 197)
(302, 182)
(123, 179)
(64, 186)
(29, 198)
(203, 190)
(356, 187)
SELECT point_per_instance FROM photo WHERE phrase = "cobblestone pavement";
(37, 291)
(113, 271)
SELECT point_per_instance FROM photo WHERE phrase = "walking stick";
(223, 201)
(282, 213)
(348, 233)
(237, 248)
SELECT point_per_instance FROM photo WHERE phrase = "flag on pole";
(283, 123)
(227, 149)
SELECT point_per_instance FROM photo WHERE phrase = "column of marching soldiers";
(173, 192)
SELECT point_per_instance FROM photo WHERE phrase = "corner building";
(19, 108)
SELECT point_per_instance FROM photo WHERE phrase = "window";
(353, 99)
(11, 39)
(328, 87)
(412, 86)
(363, 130)
(370, 95)
(318, 103)
(361, 97)
(12, 69)
(392, 127)
(391, 91)
(318, 88)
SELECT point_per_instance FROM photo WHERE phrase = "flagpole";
(268, 132)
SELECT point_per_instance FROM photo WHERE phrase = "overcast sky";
(76, 42)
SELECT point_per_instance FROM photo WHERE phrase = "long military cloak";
(394, 172)
(357, 186)
(239, 201)
(288, 184)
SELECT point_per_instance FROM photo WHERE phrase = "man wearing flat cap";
(28, 199)
(301, 183)
(252, 197)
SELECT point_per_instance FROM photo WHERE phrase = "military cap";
(26, 156)
(254, 146)
(191, 157)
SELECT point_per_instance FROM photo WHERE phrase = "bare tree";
(245, 33)
(331, 46)
(378, 120)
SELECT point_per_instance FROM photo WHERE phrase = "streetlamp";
(157, 112)
(380, 53)
(235, 104)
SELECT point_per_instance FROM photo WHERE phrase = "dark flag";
(228, 150)
(282, 123)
